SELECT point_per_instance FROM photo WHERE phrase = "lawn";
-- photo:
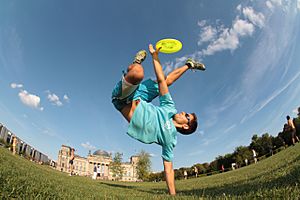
(275, 177)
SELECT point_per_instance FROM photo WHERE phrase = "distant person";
(254, 155)
(293, 130)
(222, 168)
(196, 171)
(95, 172)
(296, 122)
(149, 123)
(71, 161)
(233, 166)
(14, 145)
(185, 174)
(246, 161)
(98, 171)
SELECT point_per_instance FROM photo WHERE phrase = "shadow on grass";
(136, 188)
(118, 185)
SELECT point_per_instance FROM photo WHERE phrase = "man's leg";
(123, 91)
(177, 73)
(134, 76)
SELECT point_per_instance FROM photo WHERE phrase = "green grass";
(277, 177)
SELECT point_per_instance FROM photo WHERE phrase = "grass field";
(273, 178)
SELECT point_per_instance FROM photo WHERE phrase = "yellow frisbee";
(169, 45)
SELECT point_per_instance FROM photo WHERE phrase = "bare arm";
(162, 84)
(169, 173)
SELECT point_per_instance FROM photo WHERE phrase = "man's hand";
(153, 52)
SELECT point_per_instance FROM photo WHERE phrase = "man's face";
(183, 118)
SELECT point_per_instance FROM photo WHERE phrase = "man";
(296, 122)
(72, 156)
(95, 172)
(185, 174)
(254, 156)
(292, 129)
(196, 171)
(14, 144)
(98, 171)
(149, 123)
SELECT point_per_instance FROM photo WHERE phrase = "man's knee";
(135, 74)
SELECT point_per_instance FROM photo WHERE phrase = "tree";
(242, 153)
(144, 165)
(225, 161)
(116, 166)
(262, 145)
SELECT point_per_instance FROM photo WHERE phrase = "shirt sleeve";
(167, 153)
(166, 100)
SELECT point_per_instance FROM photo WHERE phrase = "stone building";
(20, 147)
(102, 159)
(130, 169)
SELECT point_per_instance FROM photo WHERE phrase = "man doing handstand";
(149, 123)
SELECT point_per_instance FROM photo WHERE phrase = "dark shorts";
(71, 162)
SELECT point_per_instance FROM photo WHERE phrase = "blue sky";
(59, 61)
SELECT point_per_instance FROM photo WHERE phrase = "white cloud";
(279, 41)
(88, 146)
(230, 128)
(168, 66)
(54, 99)
(298, 4)
(295, 111)
(202, 23)
(208, 34)
(277, 2)
(269, 5)
(66, 98)
(30, 100)
(220, 38)
(201, 133)
(15, 85)
(242, 28)
(257, 19)
(284, 5)
(229, 38)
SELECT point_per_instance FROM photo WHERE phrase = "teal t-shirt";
(153, 124)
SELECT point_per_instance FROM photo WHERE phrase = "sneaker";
(194, 65)
(140, 57)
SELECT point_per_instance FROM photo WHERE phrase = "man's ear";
(185, 126)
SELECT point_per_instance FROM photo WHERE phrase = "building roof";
(100, 152)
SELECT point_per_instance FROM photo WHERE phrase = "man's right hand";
(153, 52)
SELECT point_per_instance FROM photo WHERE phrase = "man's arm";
(169, 173)
(162, 84)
